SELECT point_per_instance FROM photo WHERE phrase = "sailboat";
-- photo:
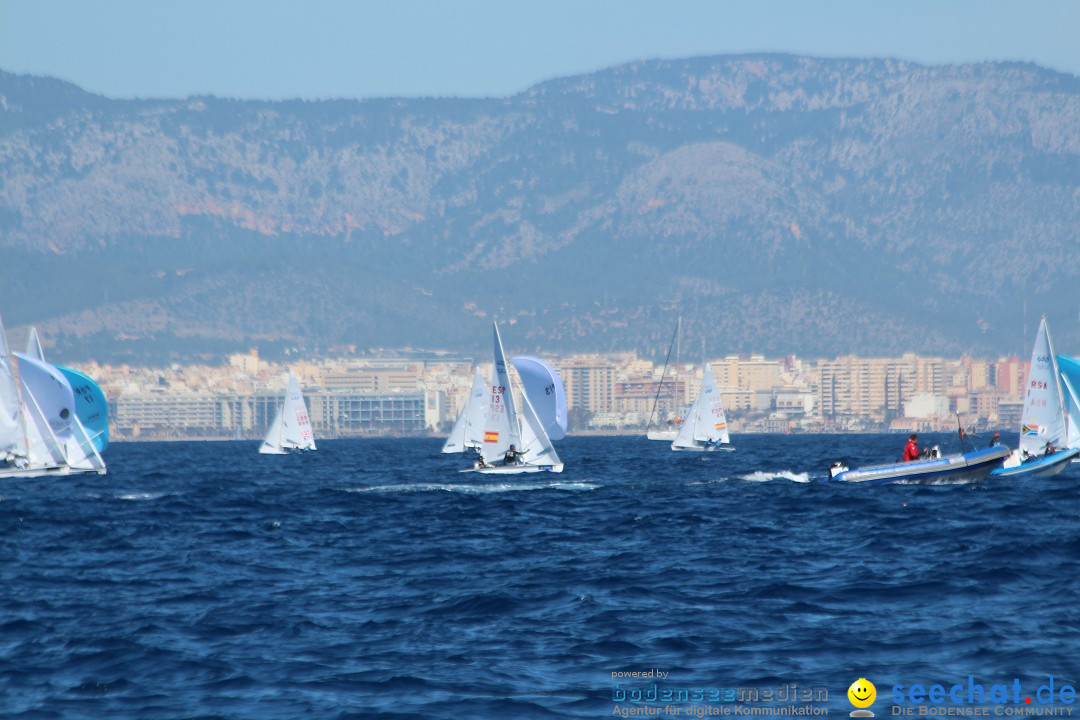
(468, 431)
(291, 430)
(40, 430)
(705, 428)
(1043, 424)
(91, 407)
(673, 432)
(1069, 373)
(506, 428)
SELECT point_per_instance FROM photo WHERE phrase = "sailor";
(996, 440)
(513, 457)
(911, 450)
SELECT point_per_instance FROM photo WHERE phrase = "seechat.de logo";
(862, 694)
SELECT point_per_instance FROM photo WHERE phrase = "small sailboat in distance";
(468, 431)
(705, 428)
(672, 432)
(1044, 436)
(1069, 373)
(291, 429)
(513, 442)
(91, 407)
(41, 433)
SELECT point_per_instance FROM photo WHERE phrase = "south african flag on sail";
(1029, 429)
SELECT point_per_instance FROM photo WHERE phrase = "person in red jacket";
(911, 450)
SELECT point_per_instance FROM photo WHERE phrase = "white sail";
(44, 450)
(271, 444)
(80, 450)
(1043, 418)
(468, 432)
(51, 391)
(707, 422)
(544, 388)
(297, 433)
(1072, 407)
(685, 437)
(12, 434)
(535, 443)
(33, 346)
(501, 427)
(1069, 373)
(291, 429)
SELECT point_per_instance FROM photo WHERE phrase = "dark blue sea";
(371, 580)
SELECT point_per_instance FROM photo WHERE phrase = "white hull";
(1046, 466)
(665, 435)
(11, 472)
(704, 448)
(514, 469)
(268, 450)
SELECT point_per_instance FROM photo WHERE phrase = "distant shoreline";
(582, 433)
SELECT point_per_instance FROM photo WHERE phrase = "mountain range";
(779, 204)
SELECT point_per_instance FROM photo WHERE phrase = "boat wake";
(770, 475)
(475, 488)
(141, 496)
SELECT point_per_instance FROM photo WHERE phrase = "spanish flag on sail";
(721, 426)
(491, 436)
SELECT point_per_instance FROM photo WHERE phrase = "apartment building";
(589, 381)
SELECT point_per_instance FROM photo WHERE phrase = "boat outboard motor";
(836, 468)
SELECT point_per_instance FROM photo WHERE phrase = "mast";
(660, 387)
(675, 372)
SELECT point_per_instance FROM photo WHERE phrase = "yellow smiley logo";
(862, 693)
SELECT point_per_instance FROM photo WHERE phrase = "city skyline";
(613, 392)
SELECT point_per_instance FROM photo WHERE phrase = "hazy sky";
(338, 48)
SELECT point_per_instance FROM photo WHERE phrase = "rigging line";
(660, 387)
